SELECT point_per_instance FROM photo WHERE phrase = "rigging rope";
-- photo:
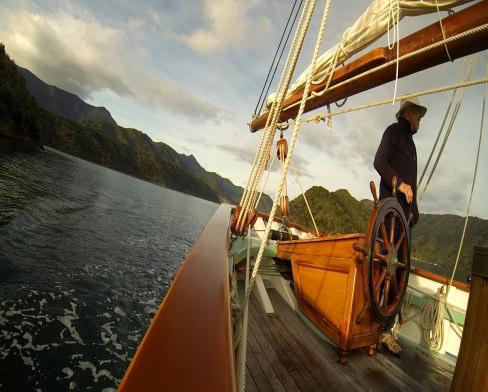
(474, 181)
(295, 49)
(402, 58)
(266, 180)
(305, 198)
(282, 179)
(256, 110)
(262, 154)
(471, 61)
(396, 37)
(443, 32)
(323, 117)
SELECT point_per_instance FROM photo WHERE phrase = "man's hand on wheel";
(407, 191)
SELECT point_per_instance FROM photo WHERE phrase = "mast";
(465, 20)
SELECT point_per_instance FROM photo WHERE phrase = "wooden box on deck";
(331, 286)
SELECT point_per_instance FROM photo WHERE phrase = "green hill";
(436, 237)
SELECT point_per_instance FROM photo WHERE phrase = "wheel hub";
(392, 260)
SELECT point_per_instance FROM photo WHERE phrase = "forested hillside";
(436, 237)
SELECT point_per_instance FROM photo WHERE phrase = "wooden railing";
(188, 346)
(439, 278)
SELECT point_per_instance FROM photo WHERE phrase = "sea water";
(86, 256)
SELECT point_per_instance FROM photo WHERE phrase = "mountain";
(66, 104)
(435, 238)
(20, 122)
(64, 121)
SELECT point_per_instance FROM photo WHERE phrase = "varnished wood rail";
(188, 346)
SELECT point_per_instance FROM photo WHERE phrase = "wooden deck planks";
(290, 357)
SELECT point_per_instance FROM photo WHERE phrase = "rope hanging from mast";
(433, 46)
(468, 70)
(474, 179)
(249, 195)
(283, 174)
(268, 81)
(261, 157)
(243, 344)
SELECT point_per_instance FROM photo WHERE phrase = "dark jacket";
(397, 156)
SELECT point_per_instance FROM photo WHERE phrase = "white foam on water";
(72, 385)
(39, 347)
(119, 311)
(123, 357)
(109, 390)
(110, 336)
(68, 372)
(87, 365)
(74, 356)
(12, 312)
(27, 360)
(66, 320)
(134, 338)
(42, 302)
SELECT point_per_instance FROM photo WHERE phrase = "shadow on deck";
(284, 354)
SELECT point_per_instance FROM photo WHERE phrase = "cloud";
(448, 192)
(81, 55)
(246, 153)
(230, 23)
(353, 140)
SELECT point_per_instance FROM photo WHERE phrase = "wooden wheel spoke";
(392, 228)
(380, 257)
(386, 293)
(402, 236)
(396, 292)
(378, 284)
(386, 244)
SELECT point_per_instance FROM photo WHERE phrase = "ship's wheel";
(389, 258)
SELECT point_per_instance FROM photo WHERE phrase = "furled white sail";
(371, 25)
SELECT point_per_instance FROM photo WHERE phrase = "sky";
(189, 74)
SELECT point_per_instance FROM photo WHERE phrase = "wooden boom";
(467, 19)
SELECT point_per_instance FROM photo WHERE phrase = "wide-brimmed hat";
(411, 102)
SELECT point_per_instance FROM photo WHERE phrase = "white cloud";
(81, 55)
(246, 153)
(230, 23)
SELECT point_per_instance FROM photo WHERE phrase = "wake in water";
(86, 256)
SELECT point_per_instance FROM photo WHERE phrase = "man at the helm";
(397, 157)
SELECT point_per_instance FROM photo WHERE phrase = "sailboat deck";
(284, 354)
